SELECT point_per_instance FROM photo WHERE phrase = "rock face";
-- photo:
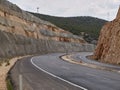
(17, 21)
(108, 47)
(22, 33)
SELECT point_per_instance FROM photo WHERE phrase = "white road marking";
(78, 86)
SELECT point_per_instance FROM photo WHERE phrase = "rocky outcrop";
(108, 47)
(21, 33)
(17, 21)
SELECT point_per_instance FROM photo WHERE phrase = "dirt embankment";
(4, 69)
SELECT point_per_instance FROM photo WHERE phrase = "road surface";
(82, 57)
(38, 74)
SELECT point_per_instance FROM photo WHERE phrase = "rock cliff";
(22, 33)
(108, 47)
(17, 21)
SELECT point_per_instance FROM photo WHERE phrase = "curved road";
(67, 76)
(82, 57)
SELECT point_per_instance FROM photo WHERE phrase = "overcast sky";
(105, 9)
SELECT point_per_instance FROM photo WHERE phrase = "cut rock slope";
(21, 33)
(108, 47)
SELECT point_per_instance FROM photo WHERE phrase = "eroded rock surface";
(17, 21)
(108, 47)
(22, 33)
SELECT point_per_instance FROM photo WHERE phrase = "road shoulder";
(70, 59)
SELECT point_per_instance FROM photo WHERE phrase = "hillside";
(77, 25)
(28, 34)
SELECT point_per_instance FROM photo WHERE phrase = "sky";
(104, 9)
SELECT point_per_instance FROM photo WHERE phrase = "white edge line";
(57, 76)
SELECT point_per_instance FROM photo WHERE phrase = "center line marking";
(57, 76)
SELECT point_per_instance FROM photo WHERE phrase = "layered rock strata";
(17, 21)
(22, 33)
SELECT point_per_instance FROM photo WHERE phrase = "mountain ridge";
(90, 26)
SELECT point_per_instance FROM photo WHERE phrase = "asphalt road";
(82, 57)
(80, 76)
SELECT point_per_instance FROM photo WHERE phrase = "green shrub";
(9, 85)
(7, 63)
